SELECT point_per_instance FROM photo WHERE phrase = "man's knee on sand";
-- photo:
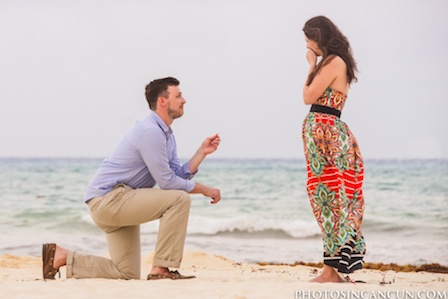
(130, 275)
(129, 272)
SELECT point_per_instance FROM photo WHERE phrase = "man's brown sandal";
(48, 251)
(174, 275)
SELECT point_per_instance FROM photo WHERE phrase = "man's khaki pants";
(119, 213)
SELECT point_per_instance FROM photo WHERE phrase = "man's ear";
(162, 102)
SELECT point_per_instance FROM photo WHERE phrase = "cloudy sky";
(72, 74)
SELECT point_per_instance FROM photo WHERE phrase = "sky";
(72, 74)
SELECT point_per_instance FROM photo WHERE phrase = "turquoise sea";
(264, 214)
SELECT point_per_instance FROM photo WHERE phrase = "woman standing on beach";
(334, 163)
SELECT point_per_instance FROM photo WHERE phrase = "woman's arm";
(328, 73)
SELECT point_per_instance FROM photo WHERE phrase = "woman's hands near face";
(311, 57)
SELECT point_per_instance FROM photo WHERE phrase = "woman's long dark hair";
(332, 43)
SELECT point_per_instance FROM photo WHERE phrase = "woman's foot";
(328, 275)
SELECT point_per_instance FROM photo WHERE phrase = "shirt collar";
(167, 130)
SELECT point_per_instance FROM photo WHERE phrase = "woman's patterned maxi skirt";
(335, 176)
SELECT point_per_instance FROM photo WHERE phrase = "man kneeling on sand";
(121, 196)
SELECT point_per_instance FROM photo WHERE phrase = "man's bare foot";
(159, 270)
(328, 275)
(60, 257)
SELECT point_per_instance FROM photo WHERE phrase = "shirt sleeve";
(184, 170)
(153, 149)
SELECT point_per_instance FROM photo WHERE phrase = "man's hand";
(210, 144)
(213, 193)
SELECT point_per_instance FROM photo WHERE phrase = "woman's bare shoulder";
(336, 61)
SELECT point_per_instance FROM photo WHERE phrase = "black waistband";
(325, 109)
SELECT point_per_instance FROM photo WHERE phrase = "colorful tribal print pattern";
(332, 98)
(335, 176)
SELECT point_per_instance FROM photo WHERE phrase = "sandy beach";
(217, 277)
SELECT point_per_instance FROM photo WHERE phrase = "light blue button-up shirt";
(146, 156)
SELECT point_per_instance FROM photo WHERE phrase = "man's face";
(175, 102)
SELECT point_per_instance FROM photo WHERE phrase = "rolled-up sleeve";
(185, 172)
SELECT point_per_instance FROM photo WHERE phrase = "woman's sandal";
(48, 251)
(174, 275)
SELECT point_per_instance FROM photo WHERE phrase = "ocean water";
(264, 214)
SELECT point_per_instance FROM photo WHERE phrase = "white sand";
(217, 277)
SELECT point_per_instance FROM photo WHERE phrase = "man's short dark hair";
(157, 88)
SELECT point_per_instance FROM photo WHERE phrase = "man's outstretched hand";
(210, 144)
